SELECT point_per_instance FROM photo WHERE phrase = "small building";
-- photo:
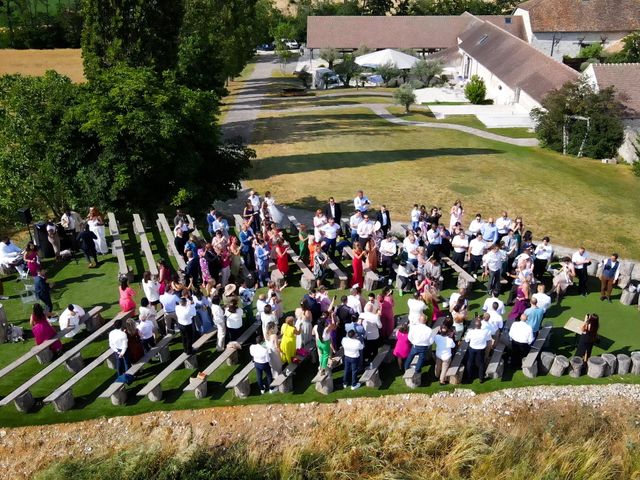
(563, 27)
(624, 77)
(514, 71)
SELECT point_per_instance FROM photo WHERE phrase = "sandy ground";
(272, 428)
(36, 62)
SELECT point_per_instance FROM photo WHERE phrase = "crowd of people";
(218, 288)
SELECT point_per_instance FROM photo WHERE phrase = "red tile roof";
(514, 61)
(624, 77)
(583, 15)
(377, 32)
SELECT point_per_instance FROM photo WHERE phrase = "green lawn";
(75, 283)
(466, 120)
(303, 158)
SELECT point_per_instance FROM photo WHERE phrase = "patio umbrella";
(382, 57)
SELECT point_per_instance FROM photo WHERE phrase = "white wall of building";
(559, 44)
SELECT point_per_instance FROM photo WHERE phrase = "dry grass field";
(36, 62)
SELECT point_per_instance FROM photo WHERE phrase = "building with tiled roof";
(624, 78)
(563, 27)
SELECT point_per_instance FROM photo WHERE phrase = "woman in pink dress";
(164, 276)
(356, 265)
(31, 259)
(204, 265)
(403, 346)
(386, 313)
(126, 296)
(282, 258)
(42, 329)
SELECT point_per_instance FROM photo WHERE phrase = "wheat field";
(65, 61)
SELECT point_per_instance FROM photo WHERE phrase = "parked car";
(291, 44)
(267, 47)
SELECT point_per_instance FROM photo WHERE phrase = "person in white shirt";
(476, 251)
(146, 331)
(410, 245)
(492, 262)
(455, 298)
(415, 217)
(265, 317)
(388, 250)
(118, 342)
(233, 314)
(71, 318)
(361, 202)
(406, 273)
(151, 288)
(372, 325)
(148, 313)
(11, 255)
(504, 224)
(543, 255)
(478, 339)
(219, 321)
(260, 355)
(460, 244)
(354, 300)
(351, 347)
(581, 260)
(254, 198)
(544, 300)
(330, 232)
(365, 229)
(220, 224)
(185, 311)
(488, 303)
(421, 338)
(444, 345)
(476, 225)
(434, 239)
(494, 320)
(354, 221)
(521, 335)
(169, 301)
(416, 308)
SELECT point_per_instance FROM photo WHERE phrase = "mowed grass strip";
(303, 158)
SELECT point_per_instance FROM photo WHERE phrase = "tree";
(348, 68)
(388, 71)
(475, 90)
(155, 141)
(330, 55)
(425, 70)
(636, 165)
(138, 33)
(362, 50)
(591, 51)
(564, 110)
(377, 7)
(405, 96)
(39, 143)
(631, 47)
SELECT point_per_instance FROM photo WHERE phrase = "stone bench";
(124, 271)
(324, 380)
(307, 280)
(163, 226)
(22, 397)
(456, 367)
(92, 320)
(240, 382)
(530, 364)
(145, 246)
(117, 391)
(284, 381)
(198, 385)
(495, 368)
(465, 280)
(371, 375)
(153, 390)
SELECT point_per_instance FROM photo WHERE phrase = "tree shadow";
(288, 164)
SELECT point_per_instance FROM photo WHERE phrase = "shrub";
(404, 96)
(591, 51)
(476, 90)
(416, 84)
(388, 71)
(636, 165)
(425, 70)
(436, 82)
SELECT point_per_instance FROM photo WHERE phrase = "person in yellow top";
(288, 343)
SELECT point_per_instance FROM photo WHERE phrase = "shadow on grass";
(288, 164)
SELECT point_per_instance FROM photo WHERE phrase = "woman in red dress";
(164, 276)
(282, 258)
(356, 265)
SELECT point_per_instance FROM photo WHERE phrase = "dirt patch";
(36, 62)
(273, 428)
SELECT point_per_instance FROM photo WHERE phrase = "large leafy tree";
(566, 108)
(425, 70)
(139, 33)
(39, 143)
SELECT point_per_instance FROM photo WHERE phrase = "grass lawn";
(466, 120)
(303, 158)
(75, 283)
